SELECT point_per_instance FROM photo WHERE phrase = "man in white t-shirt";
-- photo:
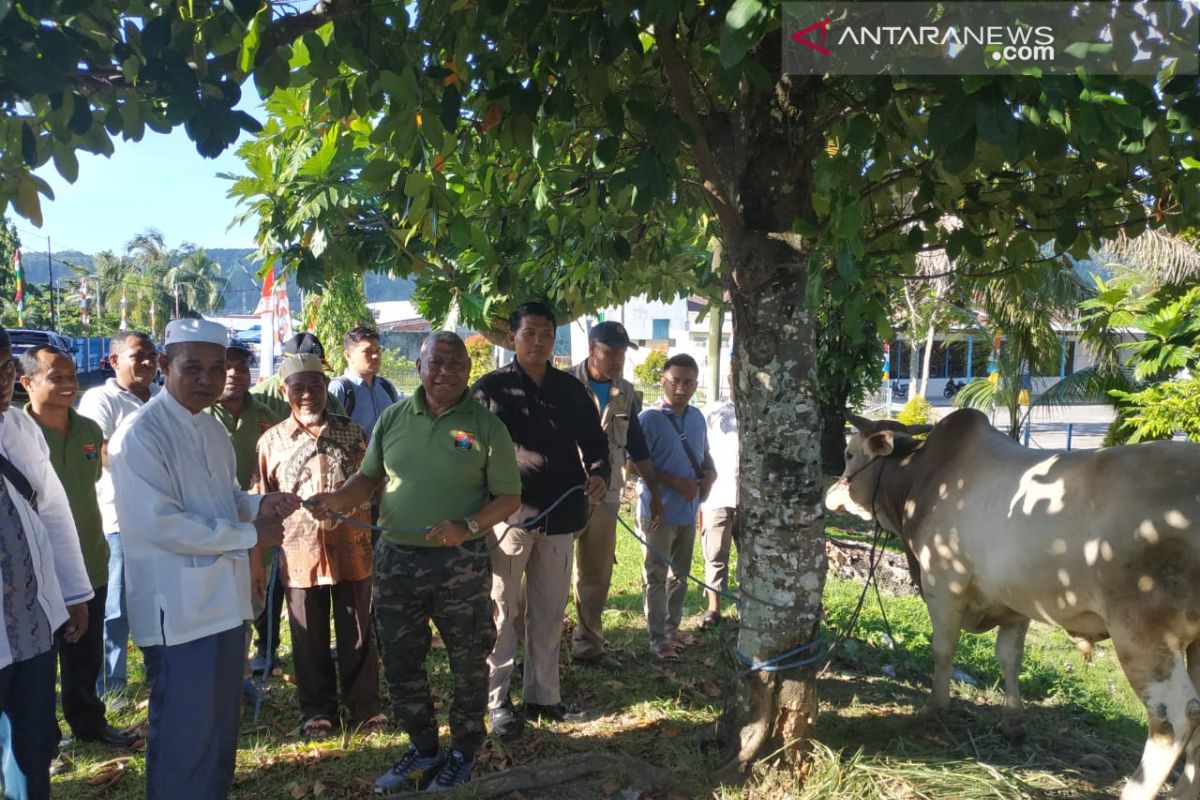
(134, 360)
(719, 510)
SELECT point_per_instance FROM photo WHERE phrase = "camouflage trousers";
(451, 588)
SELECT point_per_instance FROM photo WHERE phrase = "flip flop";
(682, 639)
(317, 728)
(375, 724)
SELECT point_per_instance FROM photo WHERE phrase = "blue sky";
(160, 182)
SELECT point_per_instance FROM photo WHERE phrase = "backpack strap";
(389, 388)
(683, 439)
(348, 388)
(19, 481)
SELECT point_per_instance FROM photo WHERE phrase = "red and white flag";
(267, 298)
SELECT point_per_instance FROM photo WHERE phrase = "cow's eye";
(849, 455)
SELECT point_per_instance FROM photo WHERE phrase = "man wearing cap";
(324, 566)
(595, 550)
(187, 531)
(246, 418)
(270, 393)
(135, 364)
(44, 588)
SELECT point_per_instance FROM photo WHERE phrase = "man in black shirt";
(553, 422)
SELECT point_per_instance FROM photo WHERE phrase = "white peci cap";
(180, 331)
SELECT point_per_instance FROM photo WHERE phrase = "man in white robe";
(187, 527)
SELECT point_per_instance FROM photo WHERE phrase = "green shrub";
(917, 411)
(649, 372)
(1159, 411)
(482, 357)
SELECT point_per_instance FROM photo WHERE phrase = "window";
(661, 329)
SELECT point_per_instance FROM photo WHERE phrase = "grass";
(1085, 725)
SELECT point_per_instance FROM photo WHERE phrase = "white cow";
(1102, 543)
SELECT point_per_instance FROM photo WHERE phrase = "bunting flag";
(266, 298)
(124, 307)
(84, 317)
(283, 313)
(20, 296)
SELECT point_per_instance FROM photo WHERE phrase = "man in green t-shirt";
(247, 418)
(270, 393)
(75, 443)
(449, 473)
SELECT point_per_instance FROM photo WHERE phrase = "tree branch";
(681, 90)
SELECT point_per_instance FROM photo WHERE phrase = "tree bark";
(782, 557)
(924, 388)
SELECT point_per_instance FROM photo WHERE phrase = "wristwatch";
(472, 525)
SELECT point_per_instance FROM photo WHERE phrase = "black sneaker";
(504, 722)
(559, 712)
(456, 772)
(402, 773)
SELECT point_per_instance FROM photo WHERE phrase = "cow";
(1102, 543)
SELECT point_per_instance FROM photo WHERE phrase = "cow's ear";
(880, 444)
(917, 429)
(861, 423)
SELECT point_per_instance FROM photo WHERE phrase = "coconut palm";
(193, 282)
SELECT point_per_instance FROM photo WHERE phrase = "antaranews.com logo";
(976, 37)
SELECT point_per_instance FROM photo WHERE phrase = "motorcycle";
(899, 387)
(952, 387)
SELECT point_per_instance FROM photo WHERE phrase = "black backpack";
(348, 387)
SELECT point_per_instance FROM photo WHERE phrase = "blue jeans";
(113, 677)
(28, 730)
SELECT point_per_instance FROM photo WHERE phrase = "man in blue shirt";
(360, 389)
(677, 437)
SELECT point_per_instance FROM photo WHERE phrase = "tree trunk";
(924, 390)
(782, 545)
(914, 362)
(716, 318)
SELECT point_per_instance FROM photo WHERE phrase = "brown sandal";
(375, 724)
(317, 728)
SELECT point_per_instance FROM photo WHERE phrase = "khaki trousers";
(664, 586)
(539, 565)
(595, 555)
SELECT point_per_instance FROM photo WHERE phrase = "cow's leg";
(1160, 678)
(1010, 649)
(1188, 787)
(945, 615)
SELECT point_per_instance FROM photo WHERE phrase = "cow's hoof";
(1012, 729)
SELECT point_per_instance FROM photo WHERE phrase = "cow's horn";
(862, 423)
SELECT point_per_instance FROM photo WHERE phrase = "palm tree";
(193, 282)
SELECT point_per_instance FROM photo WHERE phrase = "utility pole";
(53, 305)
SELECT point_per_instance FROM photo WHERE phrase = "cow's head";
(854, 492)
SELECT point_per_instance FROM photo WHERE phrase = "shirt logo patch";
(463, 440)
(90, 452)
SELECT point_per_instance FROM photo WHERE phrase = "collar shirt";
(45, 543)
(109, 405)
(668, 455)
(244, 431)
(291, 459)
(552, 426)
(619, 410)
(75, 456)
(369, 401)
(721, 420)
(185, 525)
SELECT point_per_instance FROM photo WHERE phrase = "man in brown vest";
(619, 405)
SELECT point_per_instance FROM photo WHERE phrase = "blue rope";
(781, 662)
(524, 524)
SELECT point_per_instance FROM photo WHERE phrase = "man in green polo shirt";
(75, 442)
(449, 473)
(246, 417)
(270, 392)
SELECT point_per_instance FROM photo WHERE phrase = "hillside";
(238, 268)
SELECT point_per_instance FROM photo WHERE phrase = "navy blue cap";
(612, 334)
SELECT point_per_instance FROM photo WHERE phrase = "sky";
(160, 182)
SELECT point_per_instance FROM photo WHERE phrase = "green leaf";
(253, 39)
(416, 185)
(66, 162)
(741, 31)
(960, 153)
(29, 148)
(606, 152)
(27, 202)
(948, 124)
(401, 87)
(1190, 162)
